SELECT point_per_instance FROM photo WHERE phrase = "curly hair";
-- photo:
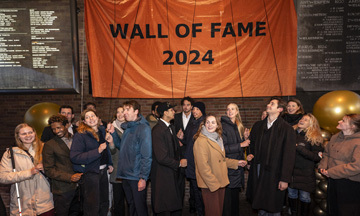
(58, 118)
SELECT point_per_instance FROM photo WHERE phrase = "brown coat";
(342, 157)
(211, 164)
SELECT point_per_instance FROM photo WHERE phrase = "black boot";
(304, 209)
(293, 206)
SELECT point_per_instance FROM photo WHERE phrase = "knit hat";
(200, 106)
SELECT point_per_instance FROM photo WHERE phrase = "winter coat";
(211, 164)
(34, 190)
(165, 169)
(276, 163)
(57, 165)
(135, 150)
(84, 153)
(190, 131)
(307, 155)
(342, 157)
(233, 150)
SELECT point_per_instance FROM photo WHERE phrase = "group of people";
(70, 173)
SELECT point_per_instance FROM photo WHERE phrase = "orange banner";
(203, 48)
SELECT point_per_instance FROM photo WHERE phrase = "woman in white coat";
(34, 188)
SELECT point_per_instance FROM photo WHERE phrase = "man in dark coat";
(273, 144)
(199, 114)
(166, 164)
(181, 121)
(58, 167)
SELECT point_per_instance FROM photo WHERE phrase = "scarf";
(118, 125)
(213, 136)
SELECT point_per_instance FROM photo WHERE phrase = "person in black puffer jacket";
(235, 138)
(308, 153)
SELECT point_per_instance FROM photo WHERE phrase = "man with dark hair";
(134, 157)
(153, 117)
(89, 105)
(58, 167)
(166, 163)
(181, 121)
(195, 201)
(66, 111)
(273, 156)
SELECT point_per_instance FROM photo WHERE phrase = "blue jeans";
(304, 196)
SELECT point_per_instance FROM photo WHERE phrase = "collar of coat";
(212, 144)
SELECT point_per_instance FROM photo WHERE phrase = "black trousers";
(231, 202)
(343, 197)
(136, 199)
(95, 193)
(199, 204)
(118, 199)
(68, 203)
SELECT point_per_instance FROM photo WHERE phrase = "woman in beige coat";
(211, 165)
(34, 188)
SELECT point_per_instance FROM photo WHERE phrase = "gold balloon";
(326, 135)
(332, 106)
(38, 115)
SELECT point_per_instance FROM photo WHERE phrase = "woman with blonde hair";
(211, 165)
(34, 188)
(90, 155)
(235, 137)
(308, 153)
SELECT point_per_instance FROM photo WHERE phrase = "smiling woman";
(36, 198)
(90, 155)
(211, 165)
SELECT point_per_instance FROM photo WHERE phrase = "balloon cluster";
(38, 115)
(320, 194)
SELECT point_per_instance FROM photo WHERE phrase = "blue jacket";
(135, 150)
(84, 152)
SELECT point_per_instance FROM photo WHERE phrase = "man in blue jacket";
(135, 157)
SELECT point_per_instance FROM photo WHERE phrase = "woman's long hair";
(83, 128)
(218, 129)
(313, 132)
(238, 121)
(36, 144)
